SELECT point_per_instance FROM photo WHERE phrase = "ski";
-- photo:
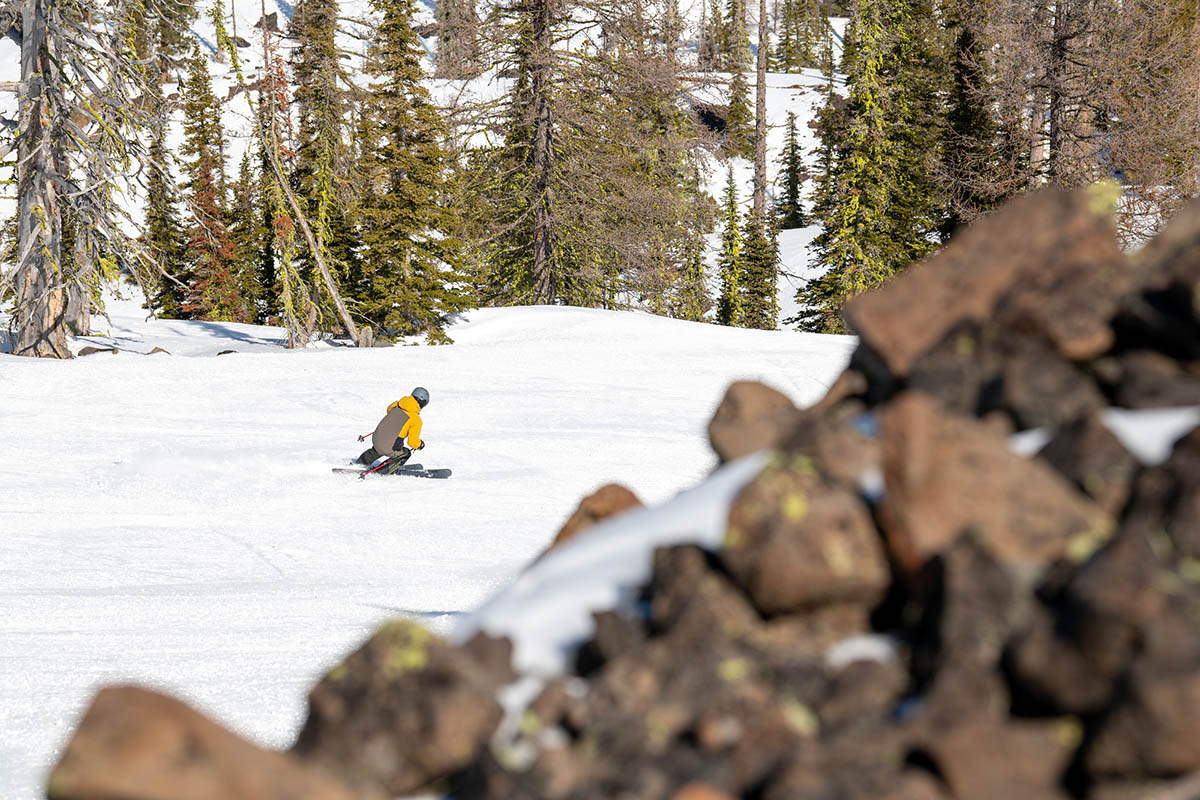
(418, 472)
(361, 468)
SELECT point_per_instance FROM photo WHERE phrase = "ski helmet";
(421, 395)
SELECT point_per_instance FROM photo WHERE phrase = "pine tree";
(249, 236)
(739, 136)
(588, 201)
(760, 273)
(734, 44)
(802, 29)
(913, 73)
(407, 282)
(854, 246)
(692, 300)
(165, 237)
(973, 152)
(730, 260)
(792, 173)
(708, 47)
(212, 292)
(458, 39)
(322, 158)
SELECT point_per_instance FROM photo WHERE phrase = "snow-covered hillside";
(171, 520)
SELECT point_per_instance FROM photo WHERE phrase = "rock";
(1087, 453)
(964, 370)
(615, 634)
(1146, 379)
(1051, 675)
(751, 417)
(946, 475)
(605, 502)
(1163, 313)
(493, 654)
(796, 540)
(699, 791)
(134, 744)
(693, 603)
(401, 712)
(987, 759)
(158, 350)
(842, 442)
(1041, 389)
(1045, 264)
(1154, 730)
(226, 352)
(89, 350)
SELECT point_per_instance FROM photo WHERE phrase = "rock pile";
(903, 607)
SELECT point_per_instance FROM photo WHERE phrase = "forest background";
(372, 169)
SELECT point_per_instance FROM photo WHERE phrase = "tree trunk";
(41, 322)
(760, 118)
(546, 289)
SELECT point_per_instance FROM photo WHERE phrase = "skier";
(403, 420)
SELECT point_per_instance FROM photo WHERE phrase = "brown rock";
(841, 442)
(158, 350)
(796, 540)
(751, 417)
(605, 502)
(1043, 389)
(135, 744)
(1087, 453)
(699, 791)
(693, 603)
(946, 475)
(404, 710)
(1045, 264)
(1050, 672)
(987, 759)
(1152, 380)
(614, 635)
(226, 352)
(1155, 729)
(89, 350)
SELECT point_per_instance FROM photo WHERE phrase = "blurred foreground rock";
(134, 744)
(903, 607)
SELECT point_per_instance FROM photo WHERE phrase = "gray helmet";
(421, 395)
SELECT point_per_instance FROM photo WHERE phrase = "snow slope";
(171, 520)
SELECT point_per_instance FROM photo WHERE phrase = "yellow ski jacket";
(411, 428)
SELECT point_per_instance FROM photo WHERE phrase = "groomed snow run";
(171, 520)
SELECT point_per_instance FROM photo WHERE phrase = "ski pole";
(366, 436)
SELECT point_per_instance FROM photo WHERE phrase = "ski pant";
(398, 458)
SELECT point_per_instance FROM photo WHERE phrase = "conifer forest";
(367, 169)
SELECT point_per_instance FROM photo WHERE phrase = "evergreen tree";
(760, 273)
(407, 282)
(802, 29)
(734, 44)
(212, 292)
(164, 233)
(589, 200)
(708, 47)
(458, 39)
(913, 72)
(692, 300)
(854, 246)
(739, 134)
(321, 170)
(791, 210)
(973, 151)
(249, 236)
(730, 261)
